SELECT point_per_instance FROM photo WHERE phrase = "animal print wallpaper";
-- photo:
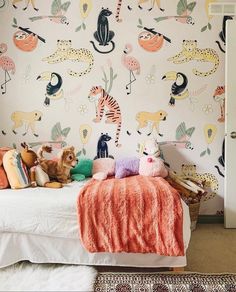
(106, 75)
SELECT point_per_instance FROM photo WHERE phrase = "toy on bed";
(151, 164)
(103, 168)
(38, 177)
(16, 170)
(127, 167)
(82, 170)
(4, 183)
(59, 169)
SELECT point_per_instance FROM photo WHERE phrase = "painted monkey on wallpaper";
(222, 34)
(102, 147)
(219, 97)
(139, 2)
(27, 2)
(191, 52)
(153, 119)
(7, 65)
(113, 115)
(65, 52)
(53, 88)
(58, 11)
(132, 64)
(28, 118)
(103, 34)
(179, 87)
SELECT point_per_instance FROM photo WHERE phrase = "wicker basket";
(194, 212)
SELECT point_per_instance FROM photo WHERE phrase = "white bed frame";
(38, 246)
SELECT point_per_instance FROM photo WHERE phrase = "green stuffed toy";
(82, 170)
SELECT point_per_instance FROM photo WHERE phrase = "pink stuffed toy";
(152, 164)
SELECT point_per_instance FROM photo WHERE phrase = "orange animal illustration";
(132, 64)
(150, 42)
(24, 41)
(219, 96)
(113, 115)
(7, 65)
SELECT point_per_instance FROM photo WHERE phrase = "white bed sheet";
(40, 225)
(41, 211)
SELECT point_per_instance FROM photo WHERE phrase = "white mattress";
(40, 225)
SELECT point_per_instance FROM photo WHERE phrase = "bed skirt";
(17, 247)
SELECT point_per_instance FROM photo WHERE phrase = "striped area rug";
(165, 282)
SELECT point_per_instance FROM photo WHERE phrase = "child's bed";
(40, 225)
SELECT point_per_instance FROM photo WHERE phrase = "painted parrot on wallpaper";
(53, 88)
(179, 87)
(184, 9)
(58, 11)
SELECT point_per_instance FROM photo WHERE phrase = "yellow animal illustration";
(27, 2)
(27, 118)
(65, 52)
(207, 179)
(191, 52)
(139, 2)
(145, 118)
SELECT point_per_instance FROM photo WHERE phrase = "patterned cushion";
(17, 173)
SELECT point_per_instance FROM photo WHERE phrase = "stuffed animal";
(151, 164)
(58, 169)
(82, 170)
(38, 177)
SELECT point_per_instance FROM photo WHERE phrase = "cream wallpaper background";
(193, 131)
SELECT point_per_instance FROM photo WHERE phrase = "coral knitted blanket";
(135, 214)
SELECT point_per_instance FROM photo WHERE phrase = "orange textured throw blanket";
(136, 214)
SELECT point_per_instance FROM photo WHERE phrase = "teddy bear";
(38, 177)
(151, 164)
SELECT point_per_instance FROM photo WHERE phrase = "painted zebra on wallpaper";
(113, 115)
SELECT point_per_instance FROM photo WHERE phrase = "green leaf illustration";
(84, 151)
(65, 6)
(204, 28)
(209, 26)
(78, 28)
(203, 153)
(14, 21)
(191, 6)
(83, 25)
(140, 21)
(182, 7)
(208, 151)
(190, 131)
(158, 19)
(114, 77)
(78, 153)
(139, 26)
(65, 132)
(56, 131)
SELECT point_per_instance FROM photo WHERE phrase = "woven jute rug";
(165, 282)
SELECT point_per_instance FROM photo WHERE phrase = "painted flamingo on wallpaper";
(132, 64)
(7, 64)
